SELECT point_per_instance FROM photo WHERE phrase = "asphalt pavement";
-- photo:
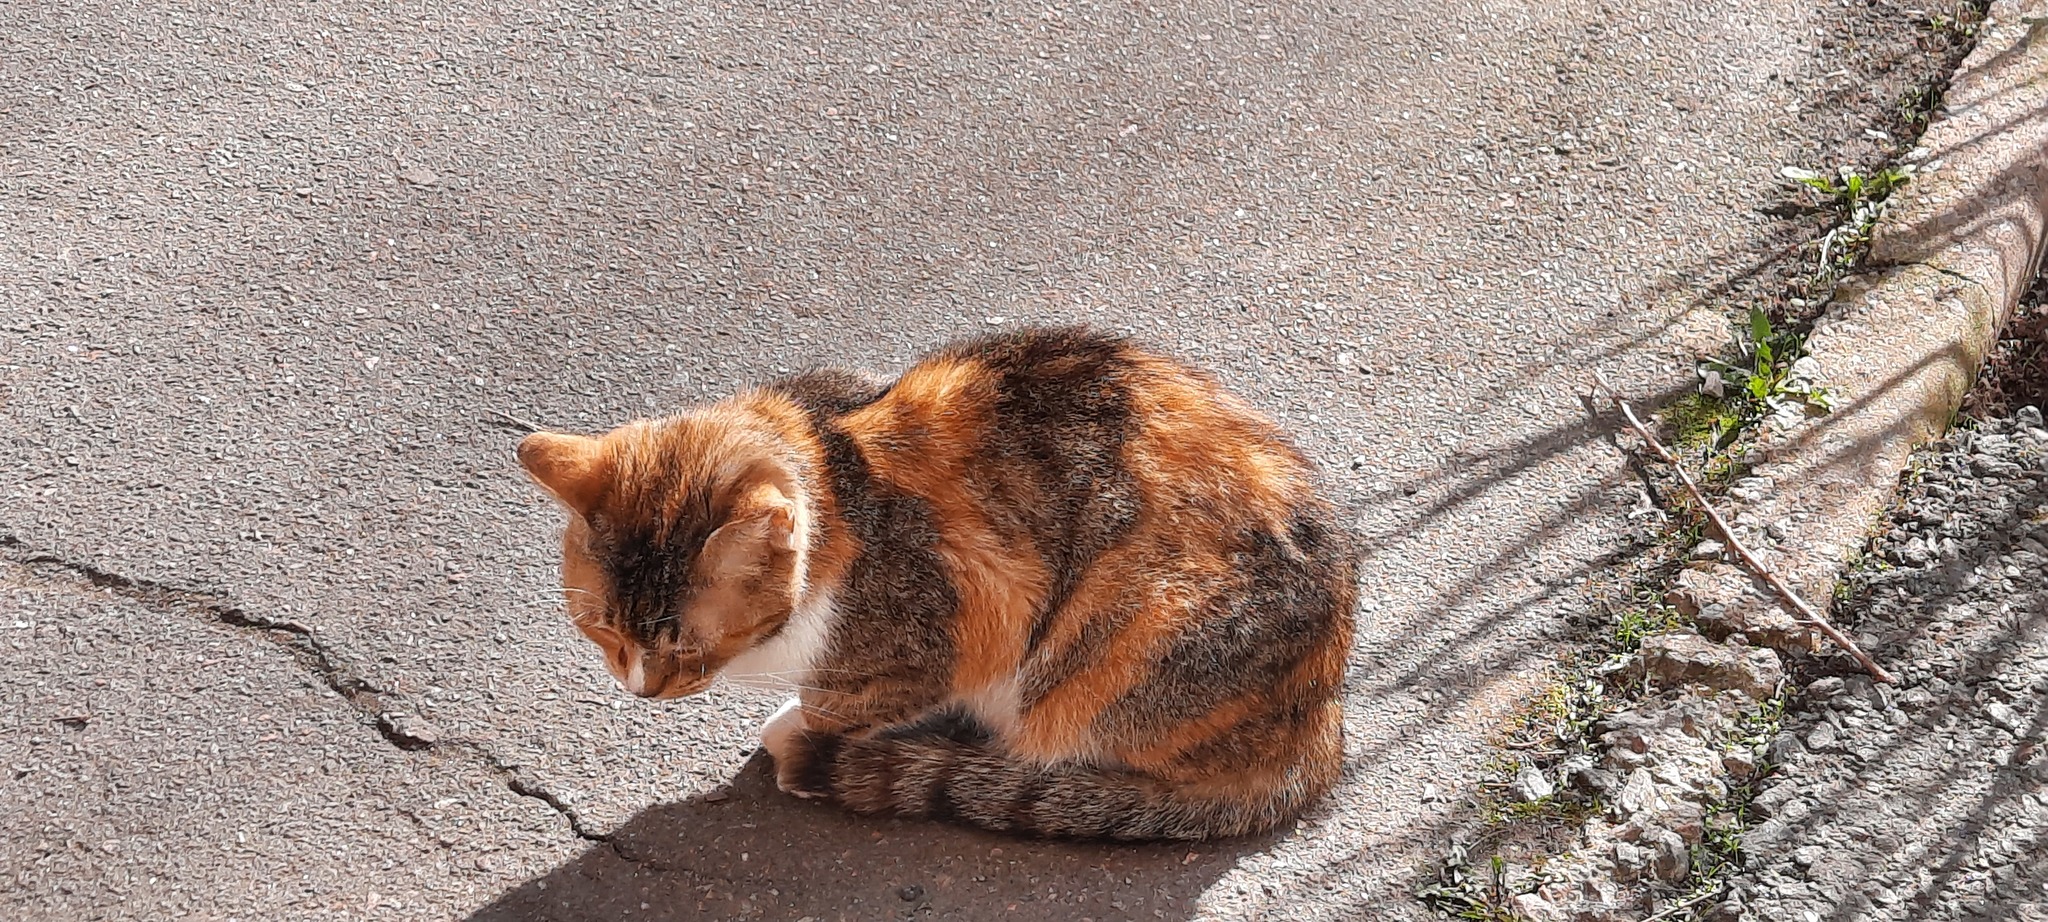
(277, 282)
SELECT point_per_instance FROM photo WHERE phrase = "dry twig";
(1742, 552)
(1676, 908)
(514, 422)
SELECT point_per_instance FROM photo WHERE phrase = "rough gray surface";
(1928, 801)
(267, 273)
(160, 764)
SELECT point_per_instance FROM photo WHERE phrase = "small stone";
(1629, 861)
(1534, 908)
(408, 732)
(1783, 749)
(1707, 549)
(1639, 793)
(1739, 763)
(1806, 855)
(911, 893)
(1824, 688)
(2004, 716)
(1821, 738)
(419, 176)
(1767, 836)
(1725, 911)
(1678, 659)
(1598, 782)
(1670, 860)
(1531, 786)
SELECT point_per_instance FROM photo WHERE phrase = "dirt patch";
(2016, 374)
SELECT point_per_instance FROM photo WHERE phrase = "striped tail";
(940, 778)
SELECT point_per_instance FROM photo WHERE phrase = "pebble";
(1670, 859)
(1531, 785)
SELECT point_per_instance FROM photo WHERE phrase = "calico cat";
(1046, 583)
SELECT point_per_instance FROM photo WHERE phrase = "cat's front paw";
(782, 735)
(778, 732)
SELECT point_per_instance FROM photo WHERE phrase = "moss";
(1698, 421)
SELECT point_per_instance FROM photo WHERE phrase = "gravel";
(1928, 800)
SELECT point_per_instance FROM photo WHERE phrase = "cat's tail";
(939, 778)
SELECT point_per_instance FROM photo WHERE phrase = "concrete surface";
(269, 274)
(1951, 257)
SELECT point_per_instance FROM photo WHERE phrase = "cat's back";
(1091, 411)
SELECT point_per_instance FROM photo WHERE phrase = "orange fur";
(1116, 573)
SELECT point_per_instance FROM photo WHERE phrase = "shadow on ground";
(711, 857)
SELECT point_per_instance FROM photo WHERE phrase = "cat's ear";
(763, 522)
(574, 468)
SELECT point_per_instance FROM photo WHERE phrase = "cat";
(1046, 583)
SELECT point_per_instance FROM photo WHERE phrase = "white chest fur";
(785, 660)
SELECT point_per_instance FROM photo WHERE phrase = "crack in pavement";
(312, 654)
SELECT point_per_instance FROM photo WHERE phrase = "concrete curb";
(1957, 249)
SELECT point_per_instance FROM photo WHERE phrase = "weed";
(1859, 200)
(1916, 107)
(1700, 421)
(1634, 624)
(1719, 852)
(1764, 380)
(1462, 892)
(1957, 24)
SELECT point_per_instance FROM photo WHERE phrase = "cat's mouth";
(652, 676)
(677, 688)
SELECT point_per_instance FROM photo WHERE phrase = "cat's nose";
(646, 676)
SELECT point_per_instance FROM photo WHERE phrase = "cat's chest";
(786, 659)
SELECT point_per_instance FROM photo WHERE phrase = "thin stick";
(515, 422)
(1677, 908)
(1763, 571)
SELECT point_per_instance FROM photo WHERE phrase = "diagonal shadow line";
(1519, 458)
(2003, 789)
(1948, 579)
(2009, 56)
(1932, 233)
(1954, 355)
(1972, 140)
(1466, 589)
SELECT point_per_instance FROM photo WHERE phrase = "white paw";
(781, 728)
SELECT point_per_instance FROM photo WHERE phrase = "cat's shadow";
(749, 851)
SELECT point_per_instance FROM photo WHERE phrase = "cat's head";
(684, 546)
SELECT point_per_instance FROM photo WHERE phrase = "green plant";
(1916, 106)
(1698, 421)
(1960, 23)
(1858, 199)
(1764, 380)
(1461, 892)
(1634, 624)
